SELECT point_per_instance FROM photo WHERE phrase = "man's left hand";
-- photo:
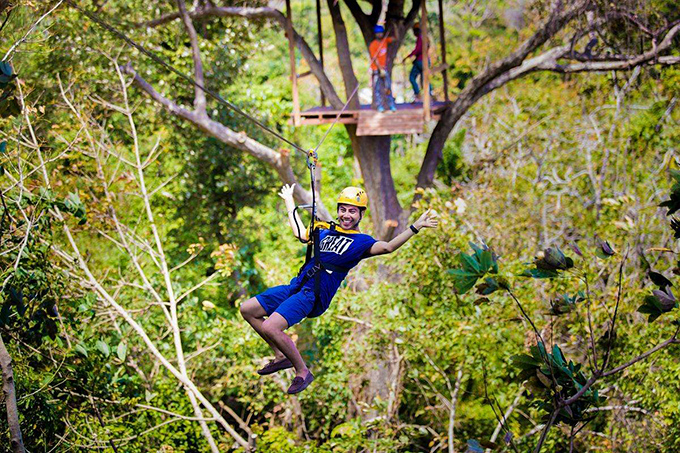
(429, 219)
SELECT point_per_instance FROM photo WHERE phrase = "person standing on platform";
(417, 68)
(382, 83)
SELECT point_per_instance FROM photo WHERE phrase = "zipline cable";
(93, 17)
(312, 156)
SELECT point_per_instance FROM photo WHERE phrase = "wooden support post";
(426, 60)
(442, 39)
(293, 70)
(320, 39)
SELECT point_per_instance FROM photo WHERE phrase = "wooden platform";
(408, 119)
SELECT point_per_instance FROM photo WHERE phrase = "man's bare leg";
(254, 314)
(273, 328)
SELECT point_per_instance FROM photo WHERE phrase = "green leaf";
(81, 350)
(463, 280)
(343, 429)
(653, 307)
(21, 307)
(524, 361)
(16, 296)
(46, 380)
(675, 174)
(539, 273)
(103, 348)
(470, 264)
(4, 313)
(558, 356)
(121, 351)
(555, 259)
(659, 280)
(486, 260)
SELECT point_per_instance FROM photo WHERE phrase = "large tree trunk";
(373, 154)
(450, 117)
(9, 393)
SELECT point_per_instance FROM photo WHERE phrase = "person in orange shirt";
(382, 84)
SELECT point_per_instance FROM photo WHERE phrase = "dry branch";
(9, 393)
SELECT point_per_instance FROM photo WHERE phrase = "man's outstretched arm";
(427, 220)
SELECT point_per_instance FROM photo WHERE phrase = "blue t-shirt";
(343, 250)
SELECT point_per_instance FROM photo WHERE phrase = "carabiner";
(312, 159)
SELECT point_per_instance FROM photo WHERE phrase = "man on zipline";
(340, 247)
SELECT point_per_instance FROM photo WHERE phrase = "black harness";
(314, 254)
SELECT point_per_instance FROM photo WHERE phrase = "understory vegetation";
(540, 315)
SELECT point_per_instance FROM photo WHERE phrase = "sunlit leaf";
(103, 348)
(121, 351)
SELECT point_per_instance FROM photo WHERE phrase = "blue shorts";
(293, 305)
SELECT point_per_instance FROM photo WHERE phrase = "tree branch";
(344, 54)
(515, 66)
(9, 394)
(199, 94)
(557, 20)
(90, 282)
(278, 160)
(660, 346)
(263, 13)
(164, 268)
(365, 22)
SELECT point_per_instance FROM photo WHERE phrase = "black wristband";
(414, 229)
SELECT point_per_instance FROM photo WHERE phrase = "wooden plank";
(407, 113)
(305, 121)
(389, 123)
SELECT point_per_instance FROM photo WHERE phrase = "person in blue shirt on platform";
(340, 247)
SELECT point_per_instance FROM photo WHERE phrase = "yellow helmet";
(353, 196)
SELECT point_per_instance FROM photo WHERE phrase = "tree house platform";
(408, 119)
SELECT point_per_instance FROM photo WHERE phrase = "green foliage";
(452, 166)
(661, 300)
(9, 105)
(565, 303)
(548, 160)
(474, 267)
(673, 203)
(547, 374)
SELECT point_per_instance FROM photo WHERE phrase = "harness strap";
(314, 253)
(317, 264)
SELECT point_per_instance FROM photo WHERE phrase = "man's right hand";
(287, 192)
